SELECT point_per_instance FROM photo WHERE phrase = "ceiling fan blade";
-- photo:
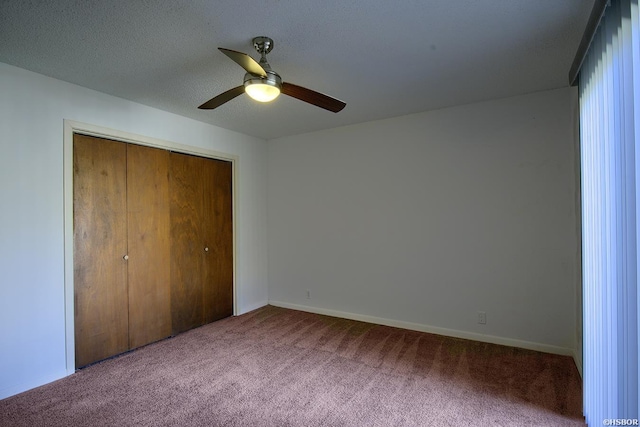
(245, 61)
(222, 98)
(312, 97)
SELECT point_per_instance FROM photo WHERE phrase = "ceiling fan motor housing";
(272, 79)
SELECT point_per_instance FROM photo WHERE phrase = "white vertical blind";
(609, 129)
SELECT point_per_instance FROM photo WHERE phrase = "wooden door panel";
(186, 242)
(218, 234)
(149, 252)
(100, 242)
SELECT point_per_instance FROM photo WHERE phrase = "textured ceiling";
(383, 58)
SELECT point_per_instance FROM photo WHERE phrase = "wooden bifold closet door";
(100, 243)
(148, 245)
(201, 241)
(152, 245)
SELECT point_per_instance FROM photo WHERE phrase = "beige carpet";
(279, 367)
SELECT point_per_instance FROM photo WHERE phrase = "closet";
(153, 245)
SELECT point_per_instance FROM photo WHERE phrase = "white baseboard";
(577, 361)
(545, 348)
(28, 385)
(248, 308)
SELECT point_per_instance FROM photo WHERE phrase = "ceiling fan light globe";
(262, 92)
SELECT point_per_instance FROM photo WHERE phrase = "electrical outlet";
(308, 294)
(482, 318)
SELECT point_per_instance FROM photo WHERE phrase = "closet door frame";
(72, 127)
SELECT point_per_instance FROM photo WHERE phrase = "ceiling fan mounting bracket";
(262, 45)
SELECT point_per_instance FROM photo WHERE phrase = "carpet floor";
(280, 367)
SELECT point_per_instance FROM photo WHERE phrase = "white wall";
(32, 310)
(424, 220)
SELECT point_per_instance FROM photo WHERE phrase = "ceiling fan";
(263, 84)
